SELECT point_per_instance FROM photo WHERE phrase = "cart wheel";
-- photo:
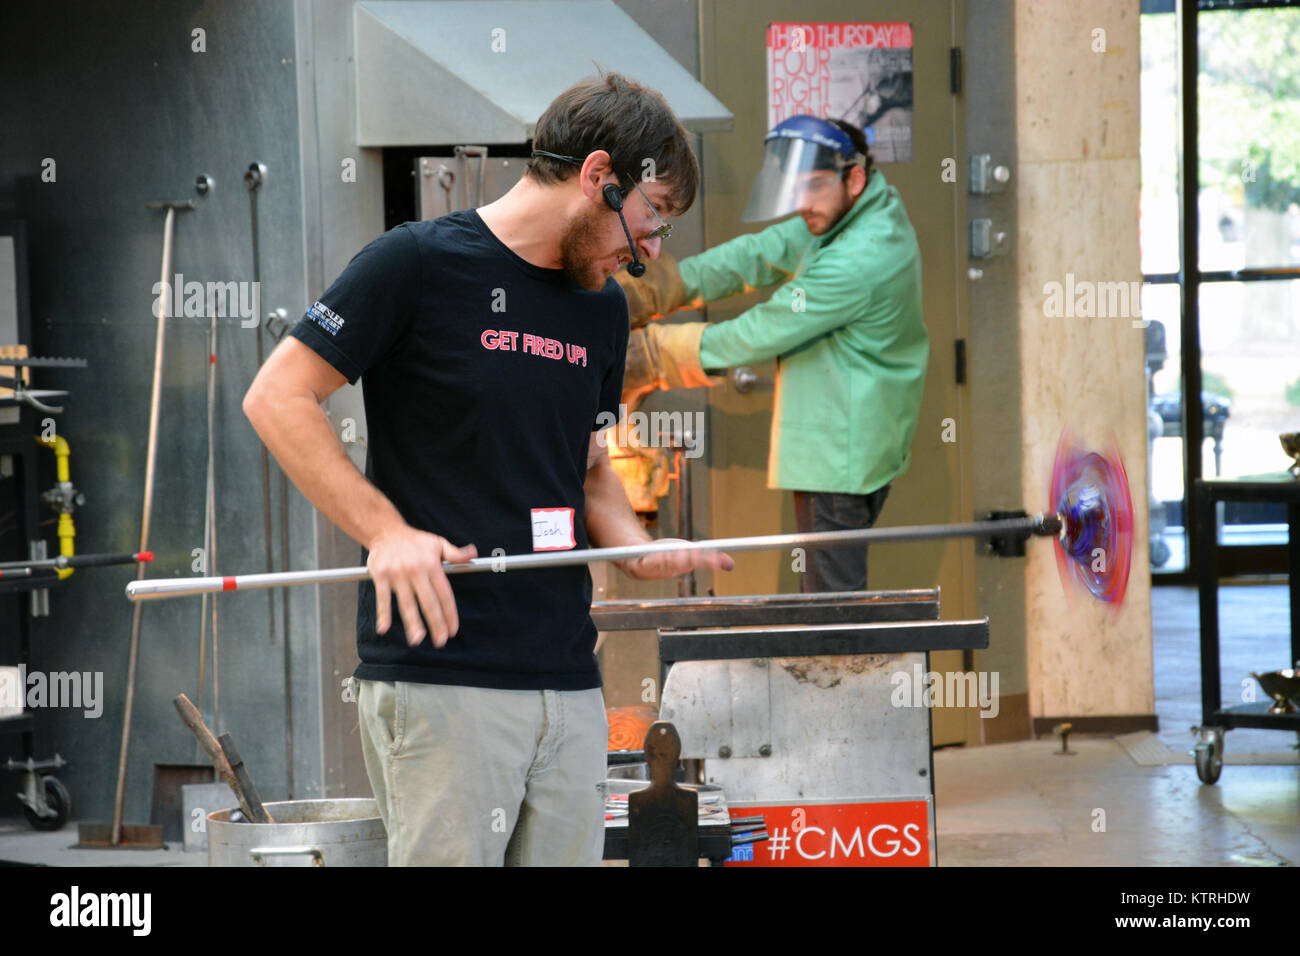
(1209, 756)
(60, 801)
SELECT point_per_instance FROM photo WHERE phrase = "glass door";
(1248, 203)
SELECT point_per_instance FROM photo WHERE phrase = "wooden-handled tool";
(247, 792)
(235, 778)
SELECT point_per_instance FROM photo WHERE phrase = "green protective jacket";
(846, 328)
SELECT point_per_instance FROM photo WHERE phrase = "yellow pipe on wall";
(67, 531)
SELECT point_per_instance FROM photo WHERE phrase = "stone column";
(1077, 107)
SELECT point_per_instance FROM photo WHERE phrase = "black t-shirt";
(483, 377)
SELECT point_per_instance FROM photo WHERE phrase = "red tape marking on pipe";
(228, 583)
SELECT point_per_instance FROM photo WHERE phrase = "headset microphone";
(635, 268)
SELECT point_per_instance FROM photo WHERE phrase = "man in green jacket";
(844, 324)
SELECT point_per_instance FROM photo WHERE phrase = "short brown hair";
(631, 122)
(859, 143)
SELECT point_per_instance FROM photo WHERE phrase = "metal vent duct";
(445, 71)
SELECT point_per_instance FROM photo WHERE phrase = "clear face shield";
(792, 169)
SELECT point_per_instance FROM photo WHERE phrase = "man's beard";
(579, 252)
(829, 221)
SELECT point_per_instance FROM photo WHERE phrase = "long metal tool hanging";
(210, 537)
(253, 179)
(1040, 524)
(155, 402)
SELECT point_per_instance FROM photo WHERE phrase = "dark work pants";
(836, 569)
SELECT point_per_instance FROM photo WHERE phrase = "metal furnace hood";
(447, 71)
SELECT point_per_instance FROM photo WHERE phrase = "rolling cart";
(1217, 720)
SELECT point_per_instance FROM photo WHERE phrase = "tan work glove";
(666, 354)
(657, 293)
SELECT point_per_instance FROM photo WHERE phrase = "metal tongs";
(35, 396)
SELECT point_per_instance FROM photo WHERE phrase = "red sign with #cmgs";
(893, 833)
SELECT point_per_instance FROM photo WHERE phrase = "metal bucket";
(346, 832)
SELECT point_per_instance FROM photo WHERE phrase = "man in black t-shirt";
(488, 343)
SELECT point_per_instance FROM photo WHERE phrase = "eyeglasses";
(662, 231)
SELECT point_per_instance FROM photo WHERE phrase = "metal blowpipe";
(1040, 524)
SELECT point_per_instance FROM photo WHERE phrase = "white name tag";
(553, 529)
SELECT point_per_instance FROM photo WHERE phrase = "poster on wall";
(858, 72)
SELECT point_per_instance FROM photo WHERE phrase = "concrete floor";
(1132, 801)
(1022, 805)
(20, 844)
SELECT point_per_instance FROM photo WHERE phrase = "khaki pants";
(471, 776)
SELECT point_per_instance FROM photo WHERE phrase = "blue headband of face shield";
(794, 153)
